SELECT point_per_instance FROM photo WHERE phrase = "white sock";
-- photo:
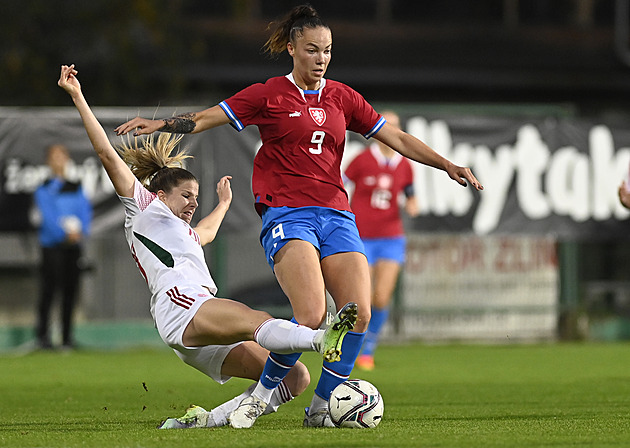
(284, 337)
(262, 393)
(219, 415)
(281, 395)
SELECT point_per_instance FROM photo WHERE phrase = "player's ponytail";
(153, 164)
(291, 27)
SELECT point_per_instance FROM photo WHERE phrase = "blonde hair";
(290, 27)
(152, 162)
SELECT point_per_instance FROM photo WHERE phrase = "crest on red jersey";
(318, 115)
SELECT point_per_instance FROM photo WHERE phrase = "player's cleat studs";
(333, 336)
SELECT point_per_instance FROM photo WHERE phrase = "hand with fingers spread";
(462, 174)
(139, 126)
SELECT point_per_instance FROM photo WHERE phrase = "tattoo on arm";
(181, 124)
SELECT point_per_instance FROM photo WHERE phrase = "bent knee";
(298, 379)
(363, 319)
(312, 318)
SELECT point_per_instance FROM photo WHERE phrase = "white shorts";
(172, 313)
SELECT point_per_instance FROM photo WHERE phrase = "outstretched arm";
(188, 123)
(117, 170)
(208, 227)
(409, 146)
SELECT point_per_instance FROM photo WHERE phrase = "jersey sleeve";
(141, 200)
(243, 107)
(361, 116)
(142, 196)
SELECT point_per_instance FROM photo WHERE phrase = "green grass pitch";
(555, 395)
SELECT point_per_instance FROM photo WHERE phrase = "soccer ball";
(356, 404)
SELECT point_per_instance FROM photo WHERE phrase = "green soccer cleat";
(330, 344)
(195, 417)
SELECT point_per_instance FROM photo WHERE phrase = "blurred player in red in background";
(308, 231)
(380, 175)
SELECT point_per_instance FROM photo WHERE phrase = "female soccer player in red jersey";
(308, 232)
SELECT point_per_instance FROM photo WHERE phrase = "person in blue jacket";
(66, 215)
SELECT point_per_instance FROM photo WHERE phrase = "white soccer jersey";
(166, 249)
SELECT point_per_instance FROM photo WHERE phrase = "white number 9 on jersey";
(318, 139)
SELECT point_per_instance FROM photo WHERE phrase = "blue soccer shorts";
(385, 249)
(330, 231)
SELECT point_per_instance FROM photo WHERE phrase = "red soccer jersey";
(378, 183)
(303, 135)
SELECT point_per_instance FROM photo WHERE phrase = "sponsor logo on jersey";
(318, 115)
(297, 113)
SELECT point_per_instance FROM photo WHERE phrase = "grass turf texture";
(435, 396)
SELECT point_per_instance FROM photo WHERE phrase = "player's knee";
(363, 319)
(312, 318)
(298, 379)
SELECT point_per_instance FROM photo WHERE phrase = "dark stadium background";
(143, 52)
(571, 57)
